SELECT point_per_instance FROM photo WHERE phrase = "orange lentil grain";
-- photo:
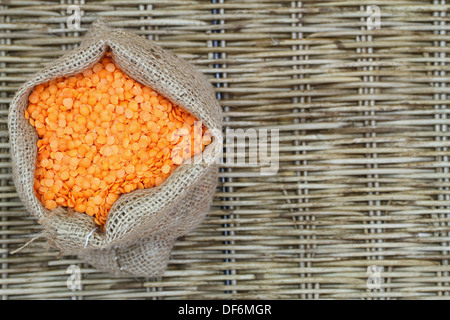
(110, 67)
(50, 204)
(68, 103)
(102, 134)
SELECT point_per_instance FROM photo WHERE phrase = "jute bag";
(143, 225)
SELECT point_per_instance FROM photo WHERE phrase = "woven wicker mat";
(362, 191)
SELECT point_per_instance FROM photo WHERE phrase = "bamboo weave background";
(364, 171)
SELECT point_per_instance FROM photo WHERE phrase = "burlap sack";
(143, 225)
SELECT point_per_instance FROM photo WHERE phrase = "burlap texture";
(143, 225)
